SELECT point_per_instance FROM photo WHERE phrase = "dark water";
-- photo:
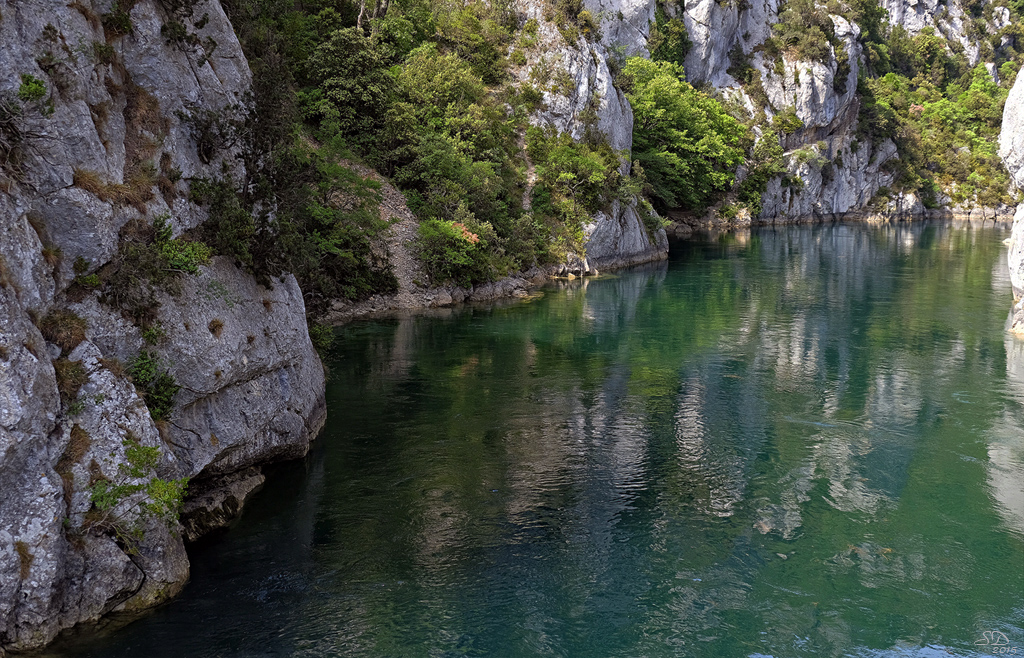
(801, 442)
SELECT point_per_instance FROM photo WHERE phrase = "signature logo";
(999, 643)
(993, 638)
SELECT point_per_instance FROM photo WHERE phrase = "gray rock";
(916, 15)
(1011, 150)
(252, 384)
(31, 507)
(1011, 136)
(619, 238)
(262, 397)
(215, 503)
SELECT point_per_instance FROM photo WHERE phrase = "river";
(805, 441)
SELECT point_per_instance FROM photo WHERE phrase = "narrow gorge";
(192, 192)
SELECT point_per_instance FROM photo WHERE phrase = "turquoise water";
(796, 442)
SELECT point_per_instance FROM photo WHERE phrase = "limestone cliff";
(618, 236)
(1011, 150)
(95, 142)
(839, 170)
(93, 99)
(948, 19)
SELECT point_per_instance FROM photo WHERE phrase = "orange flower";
(473, 238)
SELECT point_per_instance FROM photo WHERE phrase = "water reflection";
(792, 442)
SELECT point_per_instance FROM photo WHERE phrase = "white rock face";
(714, 29)
(828, 187)
(946, 17)
(617, 237)
(840, 177)
(31, 506)
(252, 385)
(245, 400)
(811, 87)
(717, 28)
(625, 24)
(1011, 135)
(1011, 150)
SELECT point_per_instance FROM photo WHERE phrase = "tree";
(686, 143)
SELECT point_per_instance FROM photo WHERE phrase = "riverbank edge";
(520, 283)
(685, 225)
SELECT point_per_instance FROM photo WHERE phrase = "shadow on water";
(794, 442)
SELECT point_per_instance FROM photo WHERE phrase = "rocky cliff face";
(617, 237)
(93, 139)
(1011, 150)
(840, 171)
(93, 103)
(947, 19)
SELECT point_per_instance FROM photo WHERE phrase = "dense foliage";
(688, 145)
(943, 115)
(420, 90)
(919, 91)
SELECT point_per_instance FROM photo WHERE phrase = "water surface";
(797, 442)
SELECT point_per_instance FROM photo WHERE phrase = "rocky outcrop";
(837, 171)
(1011, 150)
(618, 238)
(104, 144)
(716, 29)
(584, 97)
(948, 19)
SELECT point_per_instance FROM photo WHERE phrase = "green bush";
(578, 178)
(765, 163)
(787, 121)
(354, 87)
(804, 31)
(322, 337)
(668, 41)
(148, 260)
(32, 88)
(155, 384)
(118, 21)
(451, 253)
(943, 116)
(123, 505)
(688, 145)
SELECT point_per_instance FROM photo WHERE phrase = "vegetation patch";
(135, 193)
(25, 559)
(32, 89)
(12, 136)
(155, 384)
(804, 32)
(765, 163)
(943, 115)
(669, 40)
(688, 145)
(71, 376)
(63, 328)
(118, 21)
(148, 260)
(123, 504)
(78, 445)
